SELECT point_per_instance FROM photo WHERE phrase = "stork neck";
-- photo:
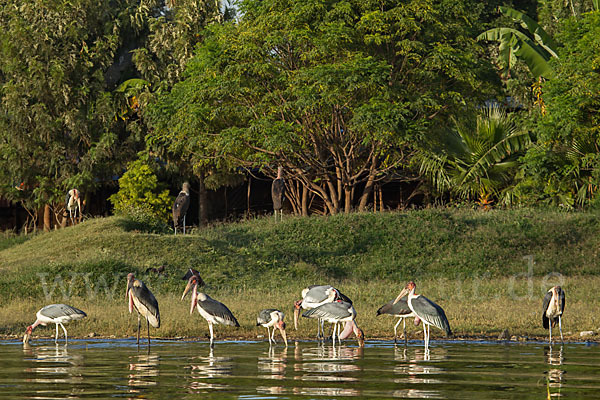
(35, 324)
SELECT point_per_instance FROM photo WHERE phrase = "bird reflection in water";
(206, 368)
(53, 364)
(273, 366)
(554, 376)
(143, 371)
(412, 370)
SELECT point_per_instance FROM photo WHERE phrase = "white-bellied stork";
(399, 308)
(278, 193)
(180, 207)
(314, 296)
(213, 311)
(140, 297)
(552, 310)
(272, 318)
(73, 204)
(335, 313)
(426, 310)
(58, 314)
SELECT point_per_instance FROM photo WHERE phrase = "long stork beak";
(403, 293)
(283, 335)
(187, 289)
(26, 338)
(361, 338)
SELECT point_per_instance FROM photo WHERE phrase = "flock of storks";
(322, 302)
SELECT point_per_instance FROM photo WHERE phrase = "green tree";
(564, 166)
(476, 162)
(335, 92)
(57, 125)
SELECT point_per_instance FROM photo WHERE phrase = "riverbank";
(489, 271)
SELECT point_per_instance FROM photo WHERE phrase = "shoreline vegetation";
(488, 270)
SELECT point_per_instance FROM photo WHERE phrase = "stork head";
(281, 326)
(27, 335)
(409, 288)
(186, 187)
(128, 295)
(360, 336)
(297, 306)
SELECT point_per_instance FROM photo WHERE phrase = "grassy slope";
(471, 263)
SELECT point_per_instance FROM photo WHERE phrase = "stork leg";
(184, 224)
(148, 322)
(64, 330)
(334, 325)
(210, 328)
(273, 335)
(550, 330)
(56, 337)
(395, 328)
(269, 334)
(404, 330)
(138, 330)
(560, 328)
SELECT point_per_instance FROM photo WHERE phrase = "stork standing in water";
(140, 297)
(426, 310)
(278, 193)
(272, 318)
(58, 314)
(180, 207)
(399, 308)
(73, 204)
(314, 296)
(213, 311)
(335, 313)
(552, 310)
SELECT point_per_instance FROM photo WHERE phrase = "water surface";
(253, 370)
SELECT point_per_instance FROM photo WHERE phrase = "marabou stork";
(213, 311)
(401, 310)
(314, 296)
(140, 297)
(272, 318)
(552, 309)
(336, 312)
(426, 310)
(180, 207)
(73, 204)
(278, 193)
(57, 314)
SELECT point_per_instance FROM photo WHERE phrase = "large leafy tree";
(335, 92)
(57, 122)
(564, 166)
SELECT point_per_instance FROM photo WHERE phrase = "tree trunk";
(364, 198)
(202, 201)
(347, 200)
(47, 219)
(380, 191)
(248, 195)
(304, 201)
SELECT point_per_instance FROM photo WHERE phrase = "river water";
(253, 370)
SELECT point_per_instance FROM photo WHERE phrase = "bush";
(140, 197)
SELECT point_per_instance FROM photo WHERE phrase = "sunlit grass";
(476, 265)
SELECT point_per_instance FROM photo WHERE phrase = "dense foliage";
(345, 95)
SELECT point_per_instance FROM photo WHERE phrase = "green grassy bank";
(488, 270)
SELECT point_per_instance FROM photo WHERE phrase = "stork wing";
(147, 299)
(219, 311)
(431, 313)
(317, 293)
(62, 310)
(264, 317)
(561, 300)
(545, 304)
(335, 310)
(400, 308)
(180, 207)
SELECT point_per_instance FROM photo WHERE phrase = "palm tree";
(476, 162)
